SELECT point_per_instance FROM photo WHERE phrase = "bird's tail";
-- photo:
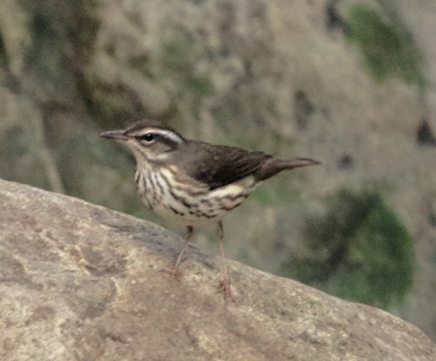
(273, 166)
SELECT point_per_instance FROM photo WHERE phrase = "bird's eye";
(148, 137)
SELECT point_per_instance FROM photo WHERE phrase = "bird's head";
(149, 140)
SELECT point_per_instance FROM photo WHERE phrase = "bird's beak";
(115, 135)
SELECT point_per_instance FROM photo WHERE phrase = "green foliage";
(55, 34)
(4, 58)
(177, 53)
(19, 159)
(178, 62)
(386, 44)
(359, 250)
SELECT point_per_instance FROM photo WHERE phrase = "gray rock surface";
(81, 282)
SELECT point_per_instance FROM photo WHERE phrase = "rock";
(82, 282)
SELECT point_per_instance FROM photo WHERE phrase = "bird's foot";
(224, 287)
(172, 272)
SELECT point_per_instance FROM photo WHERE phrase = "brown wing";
(217, 165)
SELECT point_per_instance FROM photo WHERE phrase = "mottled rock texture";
(82, 282)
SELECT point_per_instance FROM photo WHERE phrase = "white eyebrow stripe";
(166, 133)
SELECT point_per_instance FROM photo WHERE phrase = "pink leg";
(175, 271)
(224, 285)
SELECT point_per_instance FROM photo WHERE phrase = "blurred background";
(350, 83)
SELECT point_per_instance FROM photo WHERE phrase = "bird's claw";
(224, 287)
(172, 272)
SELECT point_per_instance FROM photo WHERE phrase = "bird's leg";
(175, 271)
(224, 285)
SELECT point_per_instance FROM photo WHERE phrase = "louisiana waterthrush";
(192, 182)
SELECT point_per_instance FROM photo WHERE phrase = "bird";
(191, 182)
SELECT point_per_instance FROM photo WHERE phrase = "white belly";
(184, 206)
